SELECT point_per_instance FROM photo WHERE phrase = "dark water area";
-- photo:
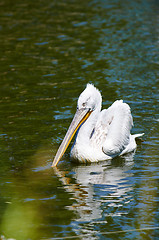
(49, 51)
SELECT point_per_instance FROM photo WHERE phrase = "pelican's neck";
(85, 131)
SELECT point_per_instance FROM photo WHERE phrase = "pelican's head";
(89, 101)
(90, 98)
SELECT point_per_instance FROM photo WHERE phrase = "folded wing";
(112, 130)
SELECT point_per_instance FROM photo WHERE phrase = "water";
(49, 51)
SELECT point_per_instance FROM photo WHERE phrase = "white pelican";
(101, 135)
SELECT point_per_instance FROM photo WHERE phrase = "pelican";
(100, 135)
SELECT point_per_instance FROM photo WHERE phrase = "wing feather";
(118, 133)
(112, 129)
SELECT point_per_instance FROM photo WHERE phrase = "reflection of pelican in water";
(101, 135)
(97, 187)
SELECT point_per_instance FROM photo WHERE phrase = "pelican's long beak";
(80, 116)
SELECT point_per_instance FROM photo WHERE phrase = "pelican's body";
(101, 135)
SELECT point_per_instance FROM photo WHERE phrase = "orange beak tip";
(53, 165)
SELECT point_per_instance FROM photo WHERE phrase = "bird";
(100, 134)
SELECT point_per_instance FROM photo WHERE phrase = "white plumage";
(101, 135)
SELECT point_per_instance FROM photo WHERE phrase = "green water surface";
(49, 51)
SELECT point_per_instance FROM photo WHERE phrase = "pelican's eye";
(83, 104)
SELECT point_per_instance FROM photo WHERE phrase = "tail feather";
(138, 135)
